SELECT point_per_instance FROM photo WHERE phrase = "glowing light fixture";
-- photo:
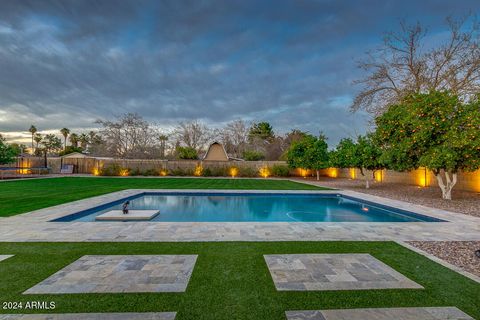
(198, 170)
(332, 172)
(233, 172)
(96, 171)
(163, 172)
(264, 172)
(379, 175)
(123, 172)
(353, 173)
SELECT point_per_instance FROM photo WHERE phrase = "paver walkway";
(92, 316)
(5, 256)
(121, 273)
(303, 272)
(442, 313)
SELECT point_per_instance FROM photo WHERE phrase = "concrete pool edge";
(77, 216)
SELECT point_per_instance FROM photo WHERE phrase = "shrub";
(111, 170)
(135, 172)
(150, 172)
(280, 171)
(247, 172)
(219, 171)
(187, 153)
(207, 172)
(251, 155)
(178, 172)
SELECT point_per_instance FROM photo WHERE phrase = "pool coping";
(35, 225)
(408, 213)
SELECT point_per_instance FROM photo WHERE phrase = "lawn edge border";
(442, 262)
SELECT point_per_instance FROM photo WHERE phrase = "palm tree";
(163, 140)
(74, 139)
(37, 138)
(83, 138)
(65, 132)
(32, 130)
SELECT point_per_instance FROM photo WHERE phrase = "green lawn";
(231, 280)
(27, 195)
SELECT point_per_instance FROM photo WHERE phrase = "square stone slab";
(442, 313)
(304, 272)
(5, 256)
(92, 316)
(132, 215)
(121, 273)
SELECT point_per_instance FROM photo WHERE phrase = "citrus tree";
(435, 130)
(309, 153)
(363, 154)
(7, 153)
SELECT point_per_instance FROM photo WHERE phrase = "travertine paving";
(36, 225)
(441, 313)
(92, 316)
(304, 272)
(121, 273)
(5, 256)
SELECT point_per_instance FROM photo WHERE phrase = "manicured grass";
(231, 280)
(27, 195)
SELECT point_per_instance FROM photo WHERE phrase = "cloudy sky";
(67, 63)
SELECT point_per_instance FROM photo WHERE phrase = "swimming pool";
(248, 207)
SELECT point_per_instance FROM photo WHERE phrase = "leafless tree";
(193, 134)
(130, 136)
(408, 63)
(234, 137)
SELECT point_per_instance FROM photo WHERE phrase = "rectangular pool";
(248, 207)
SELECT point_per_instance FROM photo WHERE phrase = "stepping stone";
(92, 316)
(441, 313)
(132, 215)
(120, 273)
(5, 256)
(305, 272)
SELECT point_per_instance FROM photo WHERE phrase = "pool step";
(132, 215)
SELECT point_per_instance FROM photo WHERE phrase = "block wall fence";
(469, 181)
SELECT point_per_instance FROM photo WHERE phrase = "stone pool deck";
(36, 225)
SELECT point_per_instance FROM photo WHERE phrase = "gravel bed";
(458, 253)
(462, 201)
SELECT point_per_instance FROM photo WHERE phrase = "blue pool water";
(223, 207)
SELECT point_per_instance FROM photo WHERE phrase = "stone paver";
(36, 225)
(5, 256)
(121, 273)
(132, 215)
(92, 316)
(304, 272)
(435, 313)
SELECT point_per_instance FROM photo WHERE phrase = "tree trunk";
(448, 185)
(367, 182)
(318, 174)
(45, 159)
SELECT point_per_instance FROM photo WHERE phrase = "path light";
(233, 172)
(198, 170)
(163, 172)
(264, 172)
(123, 172)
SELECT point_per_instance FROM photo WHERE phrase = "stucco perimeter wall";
(420, 177)
(469, 181)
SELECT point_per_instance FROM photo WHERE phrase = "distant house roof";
(75, 155)
(216, 152)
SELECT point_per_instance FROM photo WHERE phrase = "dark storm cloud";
(67, 63)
